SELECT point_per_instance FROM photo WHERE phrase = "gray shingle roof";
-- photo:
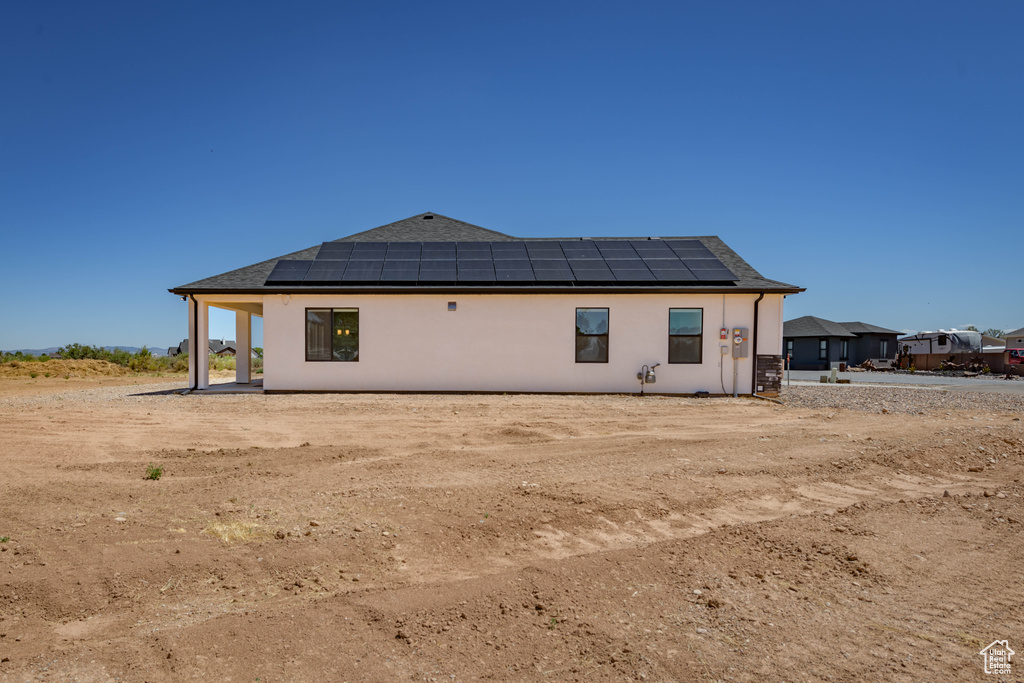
(865, 328)
(252, 279)
(428, 227)
(809, 326)
(1014, 333)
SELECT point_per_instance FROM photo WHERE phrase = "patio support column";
(243, 347)
(199, 344)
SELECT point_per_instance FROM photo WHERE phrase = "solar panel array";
(554, 262)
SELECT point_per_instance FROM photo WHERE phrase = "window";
(591, 335)
(844, 349)
(789, 348)
(685, 335)
(942, 340)
(332, 334)
(883, 348)
(823, 349)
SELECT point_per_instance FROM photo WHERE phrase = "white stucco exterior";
(511, 342)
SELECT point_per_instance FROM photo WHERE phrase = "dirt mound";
(62, 368)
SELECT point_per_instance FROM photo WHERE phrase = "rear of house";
(434, 304)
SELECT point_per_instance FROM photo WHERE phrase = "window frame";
(607, 350)
(883, 348)
(844, 349)
(330, 312)
(700, 338)
(790, 347)
(823, 349)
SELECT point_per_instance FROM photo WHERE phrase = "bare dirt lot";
(441, 538)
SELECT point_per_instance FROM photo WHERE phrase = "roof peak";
(428, 227)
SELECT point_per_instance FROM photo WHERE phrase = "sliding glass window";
(332, 334)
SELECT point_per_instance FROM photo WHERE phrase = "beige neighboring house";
(433, 304)
(1015, 339)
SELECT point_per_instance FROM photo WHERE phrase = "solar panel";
(363, 271)
(629, 271)
(509, 251)
(438, 271)
(403, 251)
(528, 261)
(690, 249)
(288, 272)
(580, 249)
(514, 271)
(400, 271)
(652, 249)
(707, 264)
(591, 271)
(335, 250)
(325, 272)
(685, 244)
(617, 249)
(438, 251)
(476, 271)
(553, 271)
(544, 250)
(369, 250)
(672, 271)
(717, 274)
(474, 250)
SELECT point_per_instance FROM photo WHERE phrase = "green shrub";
(154, 472)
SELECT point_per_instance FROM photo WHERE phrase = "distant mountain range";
(155, 350)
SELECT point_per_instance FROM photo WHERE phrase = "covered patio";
(244, 306)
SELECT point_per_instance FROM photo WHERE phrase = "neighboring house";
(218, 347)
(817, 344)
(988, 342)
(430, 303)
(1015, 339)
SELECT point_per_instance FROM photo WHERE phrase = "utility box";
(740, 342)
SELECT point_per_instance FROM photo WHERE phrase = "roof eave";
(492, 289)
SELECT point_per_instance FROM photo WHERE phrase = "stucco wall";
(508, 343)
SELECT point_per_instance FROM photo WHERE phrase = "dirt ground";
(448, 538)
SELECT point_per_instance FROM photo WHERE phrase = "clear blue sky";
(871, 152)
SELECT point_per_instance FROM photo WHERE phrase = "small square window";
(451, 305)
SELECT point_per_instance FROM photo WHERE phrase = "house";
(218, 347)
(430, 303)
(1015, 339)
(989, 342)
(814, 343)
